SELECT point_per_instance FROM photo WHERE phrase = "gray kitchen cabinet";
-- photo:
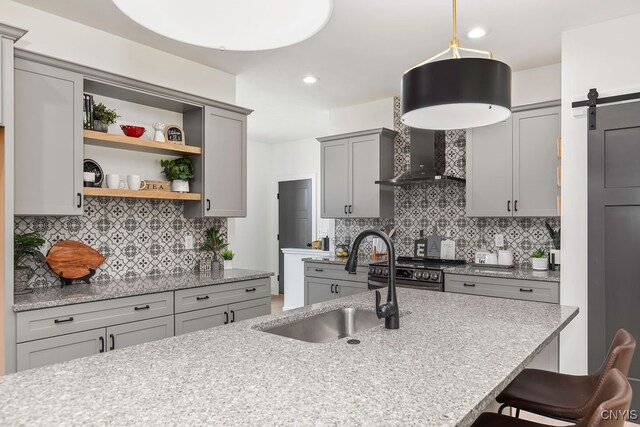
(535, 162)
(249, 309)
(345, 289)
(221, 171)
(35, 354)
(201, 319)
(350, 166)
(224, 294)
(318, 290)
(48, 140)
(512, 166)
(134, 333)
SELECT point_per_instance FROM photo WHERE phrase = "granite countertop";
(507, 273)
(56, 296)
(451, 356)
(363, 261)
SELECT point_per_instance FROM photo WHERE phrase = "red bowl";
(132, 131)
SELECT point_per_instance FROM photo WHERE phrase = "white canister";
(505, 257)
(492, 259)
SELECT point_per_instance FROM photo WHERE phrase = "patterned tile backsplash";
(137, 237)
(440, 209)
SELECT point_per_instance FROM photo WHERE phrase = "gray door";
(614, 232)
(364, 162)
(249, 309)
(294, 218)
(34, 354)
(135, 333)
(334, 190)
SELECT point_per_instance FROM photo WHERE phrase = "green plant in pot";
(179, 172)
(25, 246)
(539, 260)
(227, 256)
(215, 243)
(103, 117)
(554, 253)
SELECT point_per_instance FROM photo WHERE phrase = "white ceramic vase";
(228, 264)
(180, 186)
(540, 263)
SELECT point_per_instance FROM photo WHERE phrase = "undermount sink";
(329, 326)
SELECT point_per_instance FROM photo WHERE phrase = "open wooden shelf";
(140, 194)
(102, 139)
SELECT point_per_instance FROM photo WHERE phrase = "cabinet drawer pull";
(144, 307)
(206, 297)
(113, 342)
(70, 319)
(332, 285)
(101, 344)
(233, 316)
(319, 270)
(526, 290)
(250, 290)
(470, 285)
(226, 317)
(337, 289)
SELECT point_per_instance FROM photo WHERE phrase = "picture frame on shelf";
(174, 134)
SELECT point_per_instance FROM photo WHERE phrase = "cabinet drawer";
(211, 296)
(529, 290)
(335, 272)
(49, 322)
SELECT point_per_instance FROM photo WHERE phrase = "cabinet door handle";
(113, 342)
(250, 290)
(515, 206)
(470, 285)
(345, 209)
(332, 285)
(319, 270)
(206, 297)
(337, 292)
(233, 316)
(101, 344)
(508, 205)
(526, 290)
(144, 307)
(79, 200)
(208, 204)
(350, 209)
(226, 317)
(70, 319)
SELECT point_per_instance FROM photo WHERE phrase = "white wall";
(536, 85)
(592, 57)
(359, 117)
(65, 39)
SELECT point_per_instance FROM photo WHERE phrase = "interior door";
(295, 219)
(334, 191)
(135, 333)
(535, 162)
(614, 232)
(364, 161)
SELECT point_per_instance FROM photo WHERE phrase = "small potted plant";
(214, 242)
(179, 172)
(555, 238)
(103, 117)
(539, 260)
(25, 246)
(227, 256)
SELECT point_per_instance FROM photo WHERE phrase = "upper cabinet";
(512, 166)
(221, 172)
(48, 140)
(350, 166)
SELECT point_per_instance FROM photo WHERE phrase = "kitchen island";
(451, 356)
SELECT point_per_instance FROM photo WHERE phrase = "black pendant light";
(456, 93)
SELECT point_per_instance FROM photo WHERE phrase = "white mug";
(113, 181)
(89, 176)
(135, 183)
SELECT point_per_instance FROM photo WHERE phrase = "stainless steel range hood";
(423, 165)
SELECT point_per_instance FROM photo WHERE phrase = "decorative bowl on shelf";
(132, 131)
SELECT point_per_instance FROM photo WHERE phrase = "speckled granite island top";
(78, 293)
(452, 354)
(507, 273)
(362, 261)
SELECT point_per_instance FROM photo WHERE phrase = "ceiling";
(364, 49)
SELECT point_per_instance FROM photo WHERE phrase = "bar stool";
(566, 397)
(611, 399)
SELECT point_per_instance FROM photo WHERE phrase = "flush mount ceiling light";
(231, 24)
(310, 80)
(477, 33)
(456, 93)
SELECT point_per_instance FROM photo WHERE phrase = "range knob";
(418, 275)
(385, 271)
(427, 275)
(372, 270)
(435, 277)
(379, 271)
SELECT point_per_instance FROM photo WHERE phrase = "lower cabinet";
(216, 316)
(121, 336)
(319, 290)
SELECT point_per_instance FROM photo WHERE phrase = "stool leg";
(517, 412)
(504, 405)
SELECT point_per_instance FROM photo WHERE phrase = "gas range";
(412, 272)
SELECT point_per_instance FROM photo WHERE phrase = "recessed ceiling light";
(477, 33)
(243, 25)
(310, 80)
